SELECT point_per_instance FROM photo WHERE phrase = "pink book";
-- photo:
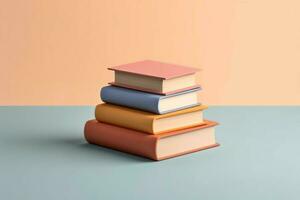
(156, 77)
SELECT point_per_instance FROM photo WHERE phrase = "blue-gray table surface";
(43, 155)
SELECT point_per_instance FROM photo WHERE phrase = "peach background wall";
(56, 52)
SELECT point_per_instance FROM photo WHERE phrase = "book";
(155, 77)
(150, 102)
(149, 122)
(156, 147)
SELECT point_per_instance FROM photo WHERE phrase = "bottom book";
(156, 147)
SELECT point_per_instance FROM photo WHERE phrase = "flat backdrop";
(56, 52)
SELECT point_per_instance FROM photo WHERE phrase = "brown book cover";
(139, 143)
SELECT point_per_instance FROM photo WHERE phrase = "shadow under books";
(72, 147)
(100, 153)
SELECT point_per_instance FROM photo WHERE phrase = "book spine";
(121, 139)
(130, 98)
(124, 117)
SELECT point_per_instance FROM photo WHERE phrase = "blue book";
(149, 102)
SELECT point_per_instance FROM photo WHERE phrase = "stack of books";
(151, 110)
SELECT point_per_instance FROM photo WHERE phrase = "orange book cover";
(136, 119)
(135, 142)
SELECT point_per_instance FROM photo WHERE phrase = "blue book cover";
(139, 100)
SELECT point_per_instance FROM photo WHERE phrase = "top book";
(155, 77)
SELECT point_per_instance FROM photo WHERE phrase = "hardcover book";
(149, 122)
(156, 147)
(150, 102)
(155, 77)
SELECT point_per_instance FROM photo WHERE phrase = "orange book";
(156, 147)
(149, 122)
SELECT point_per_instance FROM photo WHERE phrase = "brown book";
(156, 147)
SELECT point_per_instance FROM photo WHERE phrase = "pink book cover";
(155, 69)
